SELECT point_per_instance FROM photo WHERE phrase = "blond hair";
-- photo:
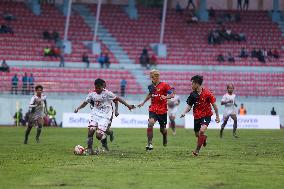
(155, 72)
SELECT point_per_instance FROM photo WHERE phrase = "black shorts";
(161, 118)
(201, 121)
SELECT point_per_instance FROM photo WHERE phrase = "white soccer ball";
(79, 150)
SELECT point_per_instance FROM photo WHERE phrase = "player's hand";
(116, 114)
(76, 110)
(130, 107)
(140, 105)
(182, 115)
(217, 119)
(163, 97)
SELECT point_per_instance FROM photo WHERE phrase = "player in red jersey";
(159, 92)
(201, 100)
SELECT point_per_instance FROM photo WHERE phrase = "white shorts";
(99, 122)
(172, 111)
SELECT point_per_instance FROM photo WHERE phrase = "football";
(79, 150)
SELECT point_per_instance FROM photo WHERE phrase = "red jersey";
(159, 105)
(201, 103)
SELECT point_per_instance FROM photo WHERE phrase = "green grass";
(253, 161)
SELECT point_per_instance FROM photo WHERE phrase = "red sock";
(200, 140)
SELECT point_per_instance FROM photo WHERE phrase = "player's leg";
(225, 121)
(173, 123)
(39, 123)
(162, 119)
(28, 130)
(201, 126)
(101, 132)
(235, 125)
(91, 131)
(151, 121)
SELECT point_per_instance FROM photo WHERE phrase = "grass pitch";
(255, 160)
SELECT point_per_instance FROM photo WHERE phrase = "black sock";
(38, 131)
(27, 133)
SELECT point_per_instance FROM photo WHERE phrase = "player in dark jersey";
(201, 100)
(159, 92)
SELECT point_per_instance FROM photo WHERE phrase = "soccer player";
(172, 110)
(201, 100)
(101, 112)
(37, 108)
(229, 102)
(159, 93)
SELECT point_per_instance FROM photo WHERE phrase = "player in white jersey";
(172, 111)
(229, 102)
(37, 109)
(101, 113)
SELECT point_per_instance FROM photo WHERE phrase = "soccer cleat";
(26, 142)
(194, 153)
(236, 136)
(165, 140)
(174, 133)
(105, 147)
(205, 141)
(90, 151)
(149, 147)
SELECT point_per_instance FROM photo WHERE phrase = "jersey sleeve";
(168, 88)
(151, 88)
(111, 95)
(32, 102)
(192, 99)
(224, 98)
(89, 98)
(211, 98)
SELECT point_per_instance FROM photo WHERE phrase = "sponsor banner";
(78, 120)
(244, 122)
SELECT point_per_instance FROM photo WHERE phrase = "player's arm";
(116, 108)
(130, 107)
(170, 94)
(146, 99)
(188, 108)
(81, 106)
(45, 107)
(214, 105)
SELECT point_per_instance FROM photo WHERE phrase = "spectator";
(31, 83)
(275, 54)
(56, 52)
(9, 16)
(145, 51)
(6, 29)
(46, 35)
(190, 2)
(27, 116)
(242, 110)
(51, 114)
(101, 60)
(273, 112)
(107, 61)
(55, 36)
(192, 18)
(62, 61)
(153, 61)
(15, 81)
(18, 118)
(178, 8)
(85, 59)
(4, 66)
(243, 53)
(260, 56)
(220, 58)
(254, 53)
(246, 5)
(211, 12)
(242, 37)
(25, 80)
(46, 51)
(231, 58)
(240, 2)
(123, 84)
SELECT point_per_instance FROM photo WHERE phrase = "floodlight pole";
(67, 20)
(97, 19)
(163, 21)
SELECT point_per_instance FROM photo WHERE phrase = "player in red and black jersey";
(159, 92)
(201, 100)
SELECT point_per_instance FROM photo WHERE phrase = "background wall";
(256, 106)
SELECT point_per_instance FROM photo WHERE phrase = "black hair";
(197, 79)
(229, 85)
(99, 82)
(39, 87)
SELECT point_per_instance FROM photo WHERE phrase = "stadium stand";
(56, 80)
